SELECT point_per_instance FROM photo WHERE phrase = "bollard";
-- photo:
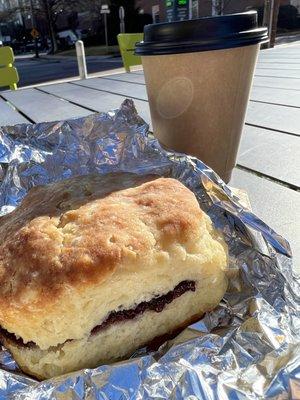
(81, 59)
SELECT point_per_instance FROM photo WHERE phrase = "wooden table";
(269, 158)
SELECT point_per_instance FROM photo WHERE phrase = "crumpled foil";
(247, 348)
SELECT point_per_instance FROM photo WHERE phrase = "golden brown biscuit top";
(77, 231)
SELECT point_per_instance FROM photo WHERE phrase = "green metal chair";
(8, 73)
(127, 43)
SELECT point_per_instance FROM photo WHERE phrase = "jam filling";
(157, 304)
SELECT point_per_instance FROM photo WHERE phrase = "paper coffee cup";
(198, 76)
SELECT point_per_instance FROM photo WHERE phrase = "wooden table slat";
(10, 116)
(277, 82)
(277, 72)
(281, 61)
(128, 77)
(117, 87)
(41, 107)
(286, 97)
(284, 50)
(276, 205)
(94, 99)
(270, 116)
(271, 153)
(281, 66)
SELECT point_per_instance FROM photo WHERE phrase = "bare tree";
(95, 5)
(50, 10)
(8, 14)
(45, 9)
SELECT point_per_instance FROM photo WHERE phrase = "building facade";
(161, 9)
(7, 5)
(13, 19)
(156, 8)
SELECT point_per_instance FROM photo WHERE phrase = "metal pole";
(190, 9)
(36, 48)
(81, 59)
(105, 28)
(122, 22)
(269, 20)
(122, 27)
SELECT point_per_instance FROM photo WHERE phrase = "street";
(48, 68)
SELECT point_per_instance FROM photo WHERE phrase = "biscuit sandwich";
(93, 268)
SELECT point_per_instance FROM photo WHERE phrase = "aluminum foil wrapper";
(247, 348)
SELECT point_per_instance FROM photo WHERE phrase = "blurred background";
(45, 31)
(60, 22)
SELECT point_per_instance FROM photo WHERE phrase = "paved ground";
(32, 71)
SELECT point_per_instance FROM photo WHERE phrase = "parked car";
(83, 33)
(66, 39)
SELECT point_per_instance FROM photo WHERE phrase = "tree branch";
(225, 4)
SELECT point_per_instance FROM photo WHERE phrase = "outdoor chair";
(8, 73)
(127, 43)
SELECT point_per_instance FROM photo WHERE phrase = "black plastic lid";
(201, 34)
